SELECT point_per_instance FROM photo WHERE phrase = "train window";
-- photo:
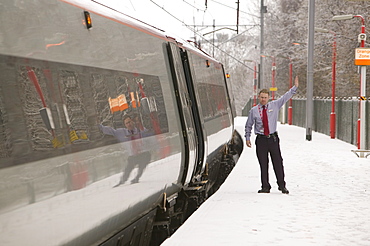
(49, 109)
(139, 97)
(213, 100)
(211, 88)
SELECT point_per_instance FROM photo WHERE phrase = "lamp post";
(333, 77)
(273, 70)
(361, 124)
(290, 108)
(254, 81)
(310, 54)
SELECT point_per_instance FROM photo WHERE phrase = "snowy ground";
(328, 204)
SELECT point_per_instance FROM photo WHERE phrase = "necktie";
(265, 121)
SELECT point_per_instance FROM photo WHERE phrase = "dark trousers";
(141, 161)
(270, 145)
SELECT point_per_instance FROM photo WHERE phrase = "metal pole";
(362, 127)
(333, 75)
(255, 84)
(262, 48)
(333, 78)
(273, 77)
(309, 102)
(363, 109)
(237, 17)
(290, 108)
(213, 38)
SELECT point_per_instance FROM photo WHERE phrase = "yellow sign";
(362, 56)
(273, 88)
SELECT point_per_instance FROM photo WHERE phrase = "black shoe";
(283, 190)
(134, 181)
(264, 190)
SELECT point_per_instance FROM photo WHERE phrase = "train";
(112, 131)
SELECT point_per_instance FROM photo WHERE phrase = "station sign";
(362, 56)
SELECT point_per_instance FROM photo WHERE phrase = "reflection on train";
(111, 132)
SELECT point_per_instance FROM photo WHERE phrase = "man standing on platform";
(264, 118)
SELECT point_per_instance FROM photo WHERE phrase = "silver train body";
(64, 180)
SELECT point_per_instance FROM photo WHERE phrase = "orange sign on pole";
(362, 56)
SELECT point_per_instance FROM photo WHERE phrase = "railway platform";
(328, 202)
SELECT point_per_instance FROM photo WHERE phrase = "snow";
(328, 204)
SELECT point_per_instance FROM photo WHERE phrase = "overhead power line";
(235, 9)
(198, 9)
(201, 36)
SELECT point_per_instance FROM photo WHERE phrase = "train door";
(201, 143)
(187, 119)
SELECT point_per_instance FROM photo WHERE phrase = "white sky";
(158, 13)
(328, 202)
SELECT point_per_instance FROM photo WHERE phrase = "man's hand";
(296, 82)
(249, 143)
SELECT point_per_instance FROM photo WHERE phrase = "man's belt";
(267, 136)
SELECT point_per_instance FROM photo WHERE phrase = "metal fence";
(346, 117)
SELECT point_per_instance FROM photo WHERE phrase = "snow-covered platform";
(328, 204)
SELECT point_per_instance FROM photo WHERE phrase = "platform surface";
(328, 204)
